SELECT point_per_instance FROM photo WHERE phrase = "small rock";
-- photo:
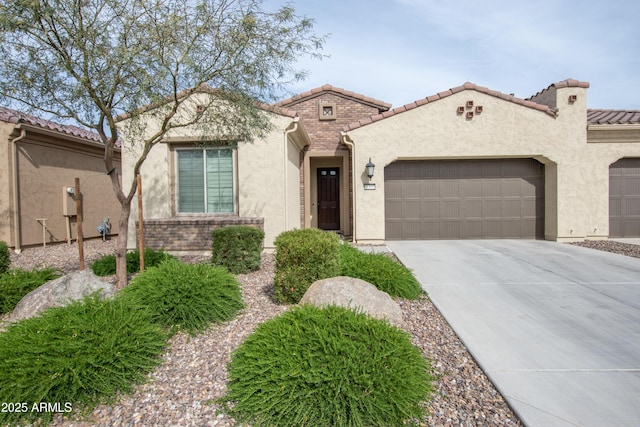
(71, 287)
(354, 293)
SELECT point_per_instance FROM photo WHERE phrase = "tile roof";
(563, 84)
(205, 88)
(467, 86)
(609, 117)
(12, 116)
(338, 91)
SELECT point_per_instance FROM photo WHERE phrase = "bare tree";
(90, 61)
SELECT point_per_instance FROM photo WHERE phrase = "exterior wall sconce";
(370, 168)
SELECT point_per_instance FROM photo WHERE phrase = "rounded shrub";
(327, 367)
(381, 271)
(186, 296)
(106, 266)
(78, 356)
(237, 247)
(303, 257)
(17, 283)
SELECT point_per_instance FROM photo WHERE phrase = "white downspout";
(352, 147)
(287, 131)
(16, 209)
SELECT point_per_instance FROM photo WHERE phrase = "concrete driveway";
(555, 327)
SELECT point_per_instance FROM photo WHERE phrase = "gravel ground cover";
(627, 249)
(182, 391)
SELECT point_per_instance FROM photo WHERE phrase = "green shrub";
(238, 248)
(82, 354)
(15, 284)
(381, 271)
(186, 296)
(5, 258)
(106, 266)
(327, 367)
(302, 257)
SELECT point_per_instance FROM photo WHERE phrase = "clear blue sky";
(399, 51)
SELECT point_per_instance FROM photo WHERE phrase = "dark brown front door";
(328, 199)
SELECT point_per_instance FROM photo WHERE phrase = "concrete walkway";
(555, 327)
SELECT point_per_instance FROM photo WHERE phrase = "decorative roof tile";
(563, 84)
(12, 116)
(466, 86)
(383, 106)
(609, 117)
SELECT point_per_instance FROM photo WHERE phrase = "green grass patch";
(106, 266)
(84, 354)
(186, 296)
(327, 367)
(15, 284)
(381, 271)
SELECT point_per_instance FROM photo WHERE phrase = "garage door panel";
(465, 199)
(474, 209)
(394, 229)
(511, 187)
(492, 188)
(450, 210)
(631, 207)
(449, 188)
(493, 208)
(512, 208)
(431, 209)
(450, 230)
(411, 210)
(474, 228)
(430, 189)
(631, 185)
(393, 209)
(624, 198)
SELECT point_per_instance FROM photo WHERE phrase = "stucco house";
(465, 163)
(41, 160)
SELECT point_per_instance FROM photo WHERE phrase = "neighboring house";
(465, 163)
(41, 160)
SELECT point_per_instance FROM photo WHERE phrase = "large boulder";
(61, 291)
(354, 293)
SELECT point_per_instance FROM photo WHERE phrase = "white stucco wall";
(503, 129)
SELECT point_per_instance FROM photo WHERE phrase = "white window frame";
(234, 175)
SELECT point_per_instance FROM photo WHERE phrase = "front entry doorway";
(328, 199)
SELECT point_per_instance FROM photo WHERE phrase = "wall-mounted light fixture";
(370, 168)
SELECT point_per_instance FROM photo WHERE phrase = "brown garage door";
(624, 198)
(464, 199)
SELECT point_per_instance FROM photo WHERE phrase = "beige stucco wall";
(6, 194)
(46, 164)
(267, 177)
(269, 181)
(503, 129)
(599, 156)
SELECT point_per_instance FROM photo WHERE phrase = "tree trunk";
(121, 246)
